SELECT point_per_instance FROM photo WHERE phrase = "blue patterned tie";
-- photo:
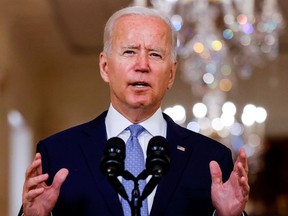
(134, 163)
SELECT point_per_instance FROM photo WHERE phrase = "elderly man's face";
(139, 68)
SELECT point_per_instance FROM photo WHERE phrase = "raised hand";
(39, 199)
(230, 198)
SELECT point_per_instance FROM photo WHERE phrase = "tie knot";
(136, 130)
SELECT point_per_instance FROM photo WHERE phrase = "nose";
(142, 62)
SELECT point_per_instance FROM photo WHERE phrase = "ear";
(103, 66)
(172, 75)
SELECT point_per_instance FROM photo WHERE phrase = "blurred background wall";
(49, 79)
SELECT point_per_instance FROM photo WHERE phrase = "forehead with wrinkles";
(130, 31)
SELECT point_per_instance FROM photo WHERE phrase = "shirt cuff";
(214, 213)
(50, 214)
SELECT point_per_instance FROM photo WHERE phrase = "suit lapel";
(93, 151)
(180, 152)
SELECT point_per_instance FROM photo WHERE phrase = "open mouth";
(140, 84)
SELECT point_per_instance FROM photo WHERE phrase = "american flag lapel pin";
(181, 148)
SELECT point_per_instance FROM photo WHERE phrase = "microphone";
(158, 159)
(112, 164)
(157, 163)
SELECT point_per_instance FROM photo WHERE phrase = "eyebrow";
(130, 47)
(157, 50)
(149, 49)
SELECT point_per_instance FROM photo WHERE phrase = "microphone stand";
(112, 166)
(136, 198)
(136, 201)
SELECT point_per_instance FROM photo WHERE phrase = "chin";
(140, 105)
(140, 101)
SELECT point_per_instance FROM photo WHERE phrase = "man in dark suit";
(139, 64)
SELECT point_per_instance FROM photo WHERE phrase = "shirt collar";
(115, 123)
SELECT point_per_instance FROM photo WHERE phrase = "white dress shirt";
(154, 126)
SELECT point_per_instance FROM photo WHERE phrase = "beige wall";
(55, 88)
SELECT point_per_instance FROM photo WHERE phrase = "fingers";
(215, 172)
(242, 159)
(35, 168)
(243, 180)
(241, 168)
(241, 165)
(245, 188)
(32, 194)
(33, 175)
(33, 179)
(59, 178)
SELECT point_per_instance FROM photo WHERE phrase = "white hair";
(141, 11)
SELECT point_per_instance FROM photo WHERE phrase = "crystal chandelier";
(220, 41)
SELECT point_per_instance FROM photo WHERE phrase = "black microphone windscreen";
(112, 162)
(118, 144)
(158, 159)
(157, 142)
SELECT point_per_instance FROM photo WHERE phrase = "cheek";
(165, 81)
(114, 72)
(117, 82)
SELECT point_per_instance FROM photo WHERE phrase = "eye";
(156, 55)
(129, 52)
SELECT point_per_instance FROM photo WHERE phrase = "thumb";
(216, 173)
(59, 178)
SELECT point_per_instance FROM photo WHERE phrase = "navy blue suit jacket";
(184, 190)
